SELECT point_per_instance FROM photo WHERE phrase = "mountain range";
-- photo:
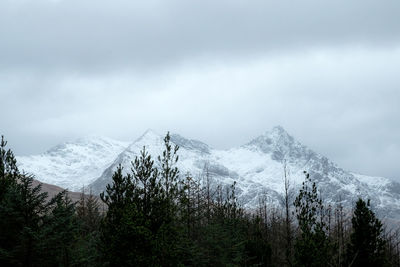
(257, 167)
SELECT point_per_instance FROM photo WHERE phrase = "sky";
(222, 72)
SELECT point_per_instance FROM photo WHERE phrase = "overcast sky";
(221, 71)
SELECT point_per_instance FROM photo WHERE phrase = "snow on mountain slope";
(257, 167)
(73, 164)
(191, 152)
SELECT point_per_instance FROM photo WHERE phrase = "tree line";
(155, 216)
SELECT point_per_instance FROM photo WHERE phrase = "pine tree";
(287, 200)
(22, 210)
(88, 212)
(8, 168)
(125, 239)
(167, 235)
(140, 227)
(89, 218)
(147, 188)
(58, 232)
(312, 246)
(366, 246)
(257, 247)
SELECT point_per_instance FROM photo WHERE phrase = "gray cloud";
(219, 71)
(101, 35)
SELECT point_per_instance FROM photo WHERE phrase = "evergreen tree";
(258, 249)
(89, 218)
(155, 219)
(147, 189)
(167, 235)
(169, 174)
(312, 246)
(88, 213)
(8, 163)
(22, 210)
(286, 202)
(59, 232)
(140, 227)
(124, 238)
(366, 246)
(8, 168)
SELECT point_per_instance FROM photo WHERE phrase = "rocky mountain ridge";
(257, 167)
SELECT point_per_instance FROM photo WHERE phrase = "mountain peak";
(278, 143)
(278, 133)
(150, 131)
(149, 134)
(257, 167)
(148, 138)
(278, 129)
(277, 136)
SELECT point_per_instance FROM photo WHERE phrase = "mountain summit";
(256, 166)
(73, 164)
(279, 144)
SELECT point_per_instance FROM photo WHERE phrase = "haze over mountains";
(256, 166)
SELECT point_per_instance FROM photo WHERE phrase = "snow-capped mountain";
(75, 164)
(192, 156)
(257, 167)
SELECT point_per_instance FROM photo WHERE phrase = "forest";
(154, 215)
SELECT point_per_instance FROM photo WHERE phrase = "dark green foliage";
(366, 246)
(140, 225)
(88, 213)
(311, 247)
(257, 247)
(33, 230)
(120, 231)
(58, 232)
(8, 163)
(169, 172)
(153, 217)
(8, 169)
(87, 241)
(22, 209)
(166, 236)
(225, 231)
